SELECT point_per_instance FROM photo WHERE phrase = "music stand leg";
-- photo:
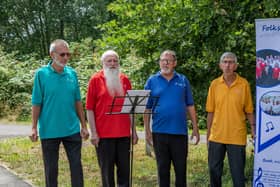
(131, 149)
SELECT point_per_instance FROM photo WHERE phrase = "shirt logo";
(180, 84)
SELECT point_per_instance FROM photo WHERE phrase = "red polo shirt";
(99, 101)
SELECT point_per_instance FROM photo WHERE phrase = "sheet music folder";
(134, 102)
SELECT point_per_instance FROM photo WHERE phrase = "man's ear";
(52, 54)
(175, 63)
(220, 66)
(236, 66)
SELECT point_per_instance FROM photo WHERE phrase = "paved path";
(7, 177)
(9, 131)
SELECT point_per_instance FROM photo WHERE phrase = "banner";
(267, 142)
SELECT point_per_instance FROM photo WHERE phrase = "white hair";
(228, 55)
(108, 53)
(56, 42)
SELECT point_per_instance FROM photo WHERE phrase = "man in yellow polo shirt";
(229, 103)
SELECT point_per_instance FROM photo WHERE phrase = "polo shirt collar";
(174, 75)
(102, 73)
(53, 70)
(221, 79)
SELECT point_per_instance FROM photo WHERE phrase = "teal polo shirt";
(56, 94)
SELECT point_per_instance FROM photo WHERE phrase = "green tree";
(28, 26)
(198, 30)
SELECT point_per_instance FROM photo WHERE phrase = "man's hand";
(195, 133)
(94, 139)
(84, 133)
(135, 138)
(34, 135)
(148, 135)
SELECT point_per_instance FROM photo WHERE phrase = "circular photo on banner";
(267, 68)
(270, 103)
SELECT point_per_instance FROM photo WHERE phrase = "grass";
(25, 158)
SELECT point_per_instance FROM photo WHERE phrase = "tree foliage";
(30, 26)
(198, 30)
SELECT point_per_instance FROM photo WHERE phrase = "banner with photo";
(267, 143)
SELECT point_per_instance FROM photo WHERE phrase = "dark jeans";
(236, 158)
(50, 148)
(171, 148)
(111, 152)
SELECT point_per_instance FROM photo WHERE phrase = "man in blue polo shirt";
(57, 106)
(171, 99)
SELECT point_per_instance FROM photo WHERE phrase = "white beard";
(113, 82)
(58, 63)
(166, 70)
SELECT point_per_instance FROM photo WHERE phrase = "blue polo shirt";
(170, 115)
(57, 94)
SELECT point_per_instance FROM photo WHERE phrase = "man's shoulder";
(97, 75)
(43, 69)
(154, 76)
(123, 76)
(216, 81)
(181, 76)
(242, 81)
(69, 68)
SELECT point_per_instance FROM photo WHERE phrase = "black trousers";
(171, 148)
(72, 145)
(113, 152)
(236, 158)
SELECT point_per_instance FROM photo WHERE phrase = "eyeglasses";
(112, 60)
(64, 54)
(167, 61)
(229, 62)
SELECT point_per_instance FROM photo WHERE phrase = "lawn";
(25, 158)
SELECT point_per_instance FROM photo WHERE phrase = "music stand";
(134, 103)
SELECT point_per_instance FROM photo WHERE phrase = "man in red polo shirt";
(110, 134)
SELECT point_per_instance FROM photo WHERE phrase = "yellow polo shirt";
(229, 105)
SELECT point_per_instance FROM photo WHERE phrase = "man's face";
(111, 62)
(61, 55)
(167, 64)
(228, 65)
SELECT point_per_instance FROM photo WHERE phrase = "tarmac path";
(7, 177)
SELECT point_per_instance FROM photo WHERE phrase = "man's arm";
(210, 116)
(192, 115)
(81, 115)
(148, 133)
(134, 133)
(36, 109)
(91, 120)
(251, 119)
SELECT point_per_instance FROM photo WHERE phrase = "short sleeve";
(37, 93)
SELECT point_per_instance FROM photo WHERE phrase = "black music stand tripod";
(134, 103)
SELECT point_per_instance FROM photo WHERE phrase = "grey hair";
(228, 55)
(170, 52)
(56, 42)
(108, 53)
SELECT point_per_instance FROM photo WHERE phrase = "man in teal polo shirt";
(57, 106)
